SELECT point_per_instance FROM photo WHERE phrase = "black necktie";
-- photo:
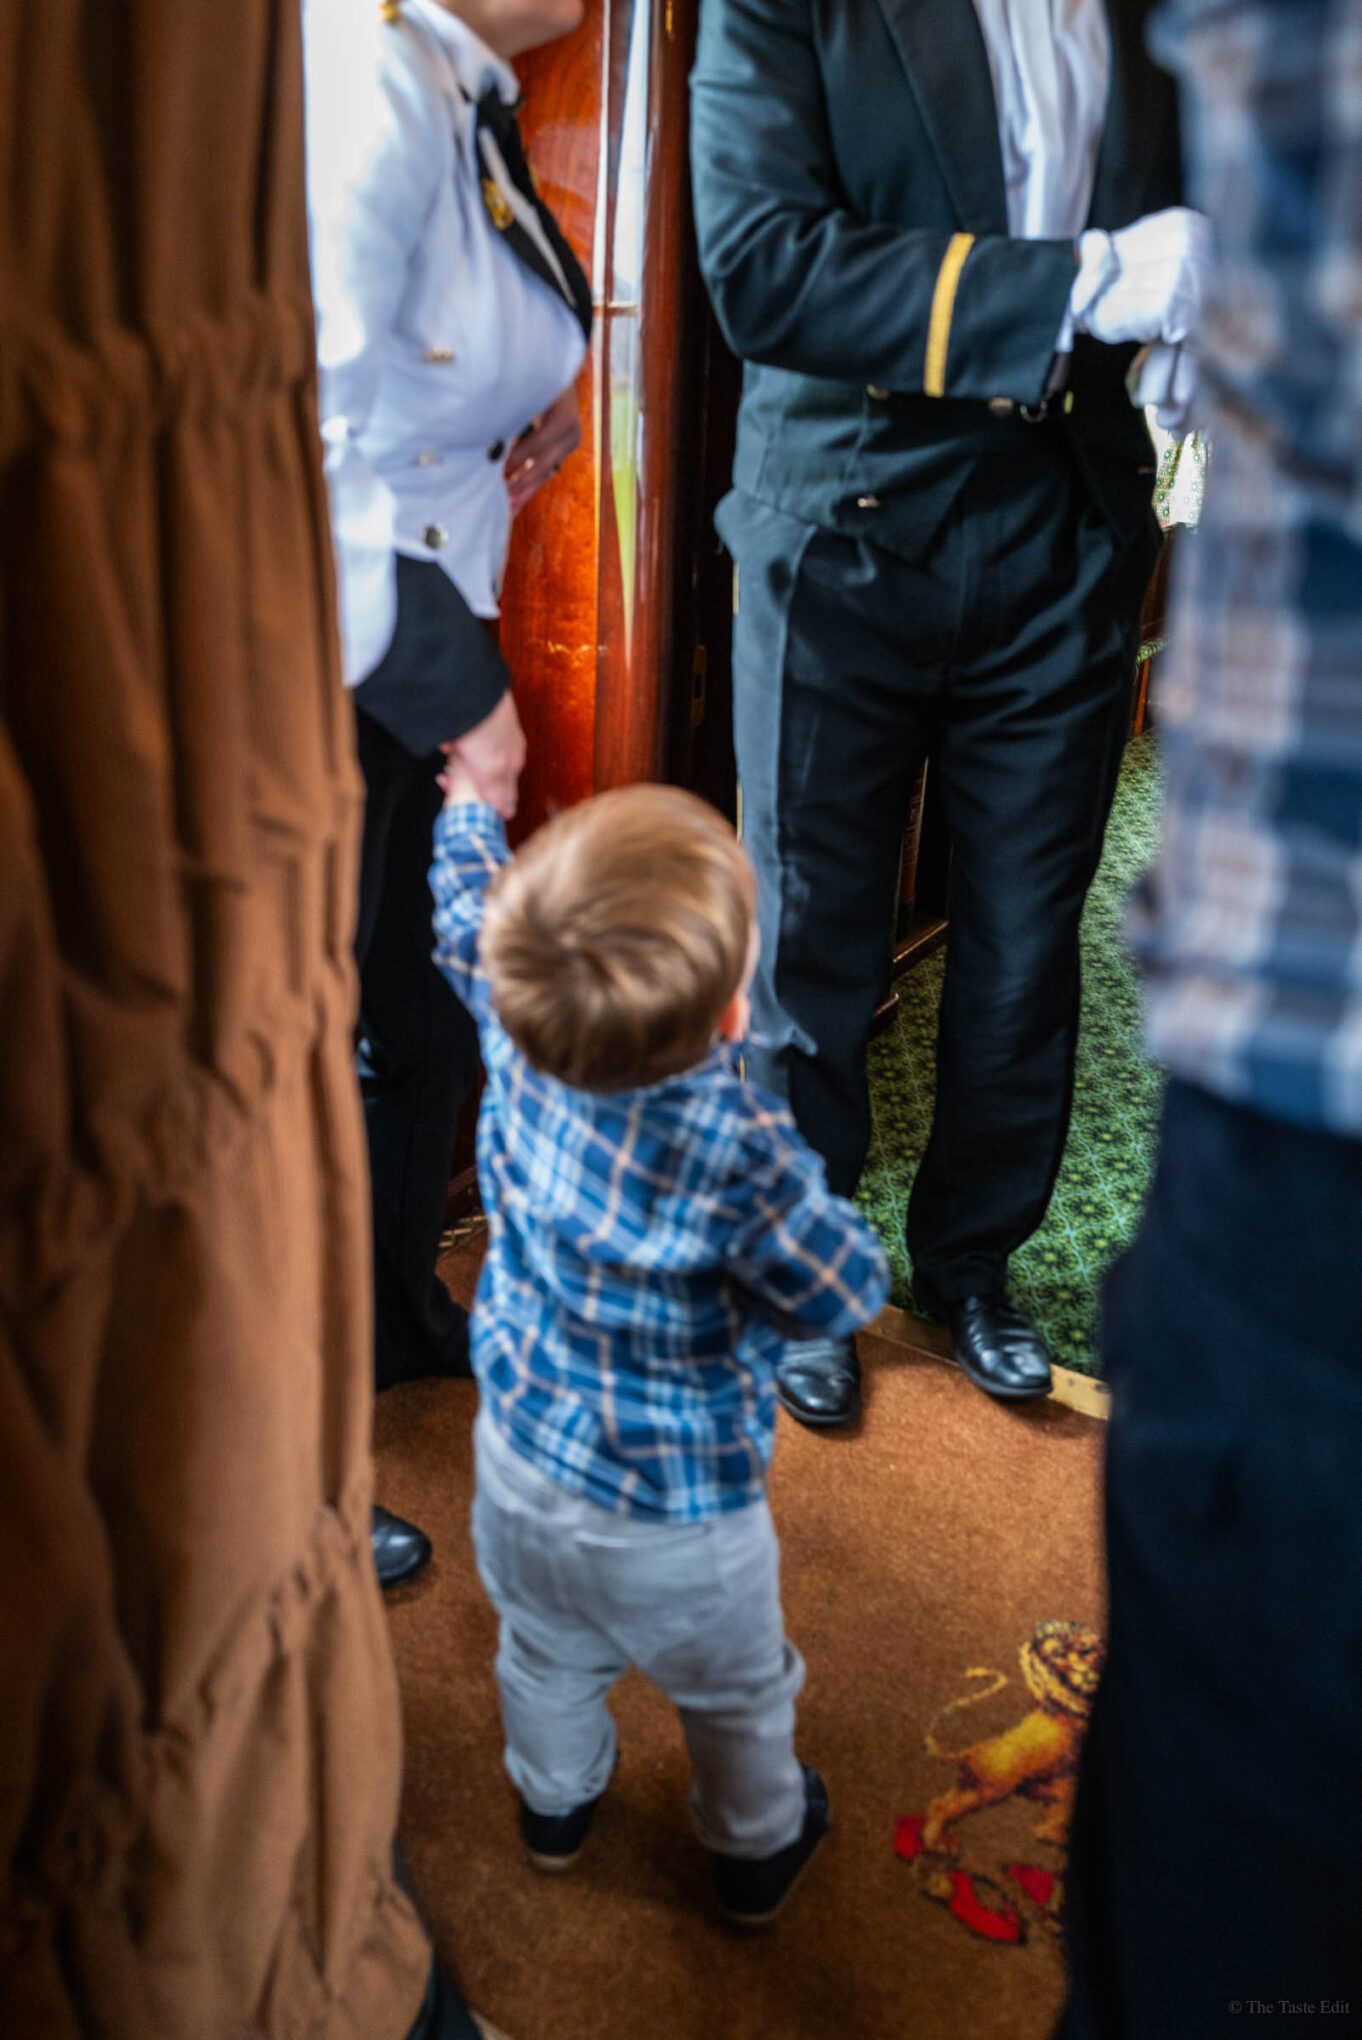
(498, 120)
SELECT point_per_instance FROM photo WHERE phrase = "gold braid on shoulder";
(391, 10)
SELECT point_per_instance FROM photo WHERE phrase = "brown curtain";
(199, 1750)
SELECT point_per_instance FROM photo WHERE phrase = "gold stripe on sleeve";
(943, 311)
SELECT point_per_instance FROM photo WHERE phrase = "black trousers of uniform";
(1215, 1874)
(418, 1056)
(1007, 653)
(418, 1050)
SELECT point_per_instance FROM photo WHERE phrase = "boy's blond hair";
(616, 938)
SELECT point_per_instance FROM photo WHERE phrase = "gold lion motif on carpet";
(1035, 1759)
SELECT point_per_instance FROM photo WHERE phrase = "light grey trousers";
(583, 1594)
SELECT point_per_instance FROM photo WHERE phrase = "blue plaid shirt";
(649, 1252)
(1251, 925)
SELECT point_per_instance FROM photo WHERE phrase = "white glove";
(1144, 282)
(1167, 378)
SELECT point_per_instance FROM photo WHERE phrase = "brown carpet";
(925, 1545)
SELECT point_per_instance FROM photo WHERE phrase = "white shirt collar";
(476, 66)
(1051, 66)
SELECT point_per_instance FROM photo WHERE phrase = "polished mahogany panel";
(615, 579)
(597, 618)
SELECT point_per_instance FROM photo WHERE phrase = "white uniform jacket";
(437, 345)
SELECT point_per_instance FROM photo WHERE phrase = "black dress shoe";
(752, 1890)
(819, 1381)
(554, 1840)
(999, 1349)
(401, 1551)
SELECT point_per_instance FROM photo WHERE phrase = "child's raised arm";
(805, 1257)
(470, 849)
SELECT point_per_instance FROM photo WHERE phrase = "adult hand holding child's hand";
(456, 781)
(485, 763)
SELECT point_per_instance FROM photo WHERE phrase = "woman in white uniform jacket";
(452, 320)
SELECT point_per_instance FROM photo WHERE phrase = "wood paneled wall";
(598, 611)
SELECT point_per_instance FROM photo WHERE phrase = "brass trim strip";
(943, 311)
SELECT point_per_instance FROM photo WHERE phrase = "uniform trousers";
(418, 1057)
(418, 1049)
(582, 1594)
(1006, 651)
(1215, 1875)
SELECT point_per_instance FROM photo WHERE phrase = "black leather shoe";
(401, 1551)
(751, 1891)
(999, 1348)
(554, 1840)
(819, 1381)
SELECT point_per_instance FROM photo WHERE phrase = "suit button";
(496, 449)
(1002, 407)
(435, 536)
(427, 460)
(867, 502)
(439, 357)
(874, 390)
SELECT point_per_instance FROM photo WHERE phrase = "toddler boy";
(658, 1229)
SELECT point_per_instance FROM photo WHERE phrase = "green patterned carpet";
(1106, 1166)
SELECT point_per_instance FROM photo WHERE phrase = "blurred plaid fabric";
(1250, 926)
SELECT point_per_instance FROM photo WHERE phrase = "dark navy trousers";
(1216, 1861)
(1005, 652)
(418, 1051)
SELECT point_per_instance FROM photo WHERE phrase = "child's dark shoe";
(554, 1840)
(752, 1890)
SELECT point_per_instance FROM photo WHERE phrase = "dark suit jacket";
(852, 222)
(442, 673)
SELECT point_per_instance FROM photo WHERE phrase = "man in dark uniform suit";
(942, 527)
